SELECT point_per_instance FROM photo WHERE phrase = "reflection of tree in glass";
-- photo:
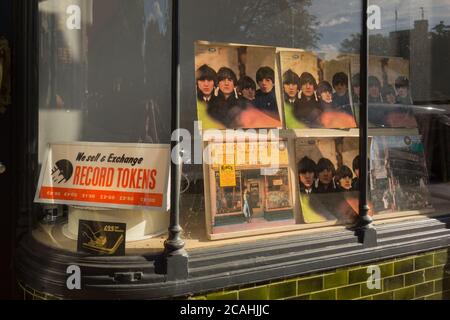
(265, 21)
(379, 44)
(441, 30)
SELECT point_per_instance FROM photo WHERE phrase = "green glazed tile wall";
(423, 277)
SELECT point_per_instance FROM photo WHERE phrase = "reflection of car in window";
(391, 115)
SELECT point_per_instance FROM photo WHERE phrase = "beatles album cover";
(398, 174)
(328, 173)
(390, 98)
(316, 92)
(335, 93)
(236, 86)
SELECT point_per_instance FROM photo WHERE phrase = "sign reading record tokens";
(126, 176)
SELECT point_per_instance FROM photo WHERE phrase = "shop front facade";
(161, 159)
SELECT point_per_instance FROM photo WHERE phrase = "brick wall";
(424, 276)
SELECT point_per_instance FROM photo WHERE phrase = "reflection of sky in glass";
(410, 11)
(338, 19)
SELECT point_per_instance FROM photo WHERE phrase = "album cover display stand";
(248, 198)
(288, 136)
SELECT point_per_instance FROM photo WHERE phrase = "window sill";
(227, 266)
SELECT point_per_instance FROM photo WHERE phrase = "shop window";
(104, 125)
(301, 68)
(316, 97)
(269, 91)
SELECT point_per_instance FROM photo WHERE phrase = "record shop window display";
(104, 79)
(273, 55)
(105, 75)
(310, 50)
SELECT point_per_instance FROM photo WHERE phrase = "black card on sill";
(101, 238)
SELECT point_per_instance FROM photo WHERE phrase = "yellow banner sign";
(227, 176)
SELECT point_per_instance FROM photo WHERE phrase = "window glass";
(410, 106)
(104, 79)
(284, 62)
(281, 77)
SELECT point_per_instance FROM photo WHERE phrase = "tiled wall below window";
(425, 276)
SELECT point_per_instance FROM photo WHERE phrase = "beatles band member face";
(325, 176)
(346, 183)
(307, 179)
(326, 96)
(341, 89)
(266, 85)
(374, 91)
(249, 93)
(291, 90)
(390, 98)
(206, 86)
(402, 92)
(356, 90)
(226, 86)
(308, 89)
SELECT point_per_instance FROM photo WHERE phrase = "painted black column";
(175, 256)
(364, 226)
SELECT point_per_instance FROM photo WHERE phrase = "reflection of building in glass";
(415, 45)
(425, 46)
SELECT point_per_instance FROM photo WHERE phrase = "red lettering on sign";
(76, 176)
(102, 196)
(152, 184)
